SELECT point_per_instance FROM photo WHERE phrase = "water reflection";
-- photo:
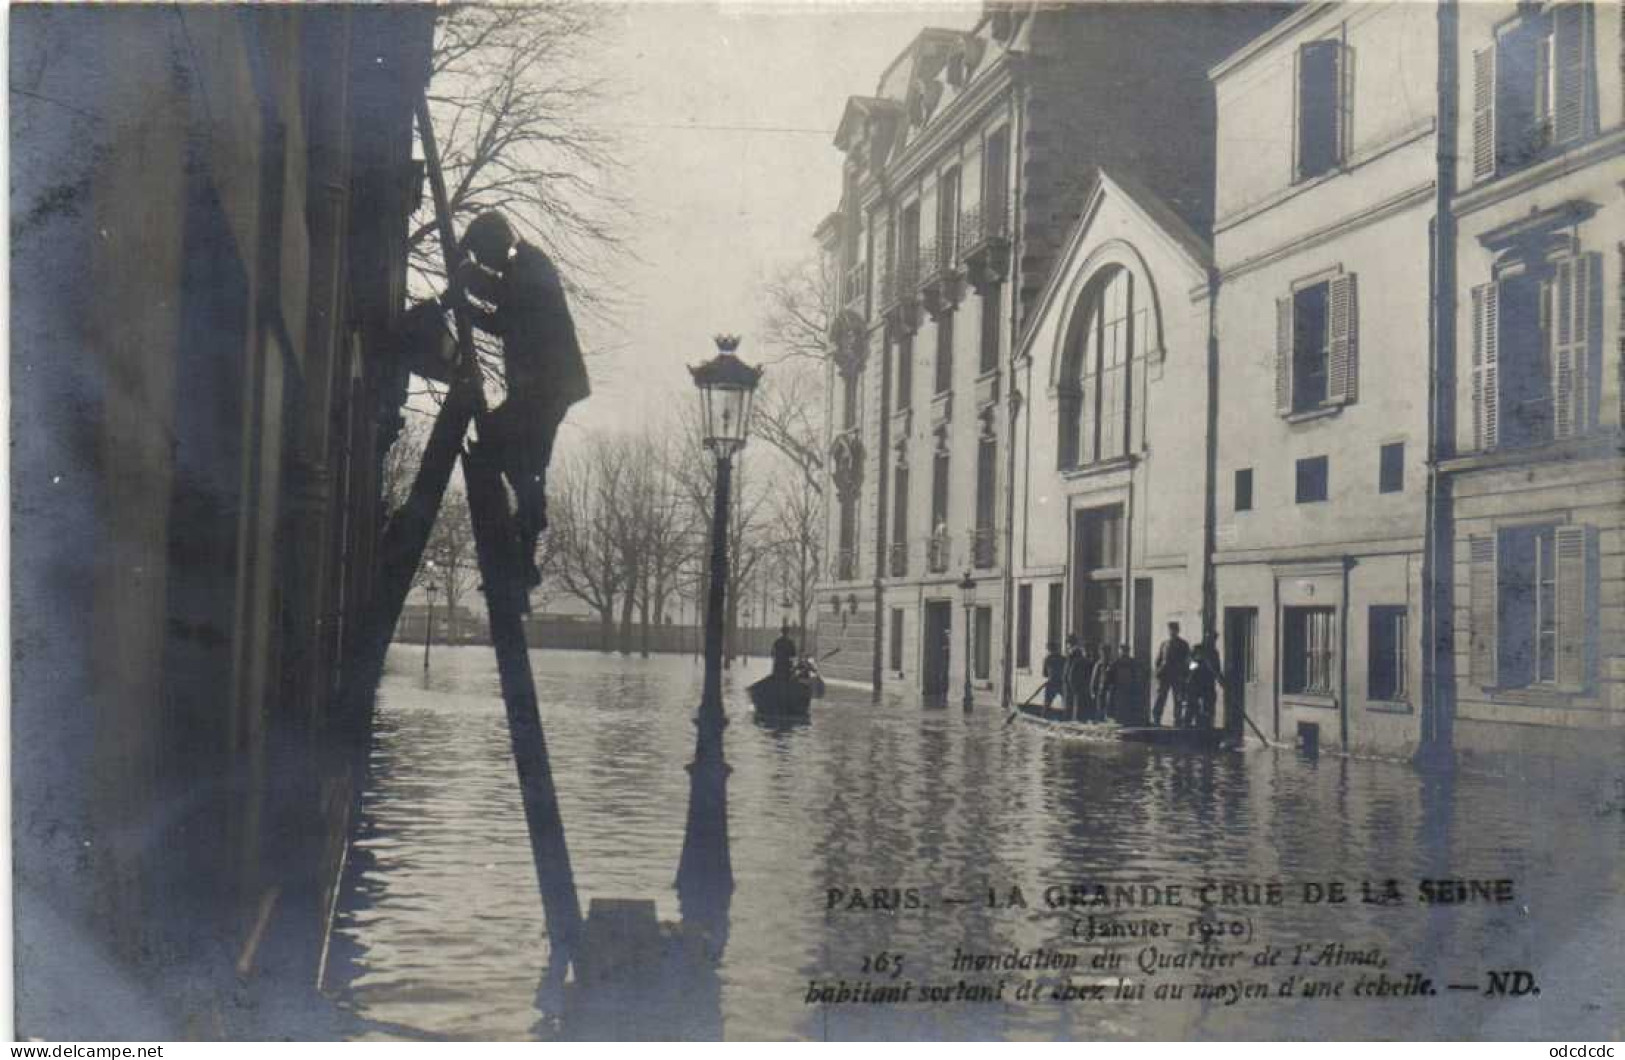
(442, 932)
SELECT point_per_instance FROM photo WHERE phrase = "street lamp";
(705, 870)
(428, 625)
(967, 596)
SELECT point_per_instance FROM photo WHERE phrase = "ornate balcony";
(984, 244)
(938, 553)
(897, 559)
(984, 547)
(899, 295)
(940, 286)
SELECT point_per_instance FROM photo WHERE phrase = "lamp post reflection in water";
(705, 871)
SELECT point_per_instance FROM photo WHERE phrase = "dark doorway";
(939, 618)
(1097, 549)
(1239, 650)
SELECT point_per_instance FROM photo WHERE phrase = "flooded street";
(441, 932)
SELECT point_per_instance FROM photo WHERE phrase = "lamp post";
(705, 870)
(967, 595)
(428, 625)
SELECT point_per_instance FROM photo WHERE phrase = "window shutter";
(1484, 113)
(1571, 48)
(1486, 354)
(1345, 102)
(1343, 383)
(1575, 561)
(1283, 355)
(1483, 603)
(1575, 287)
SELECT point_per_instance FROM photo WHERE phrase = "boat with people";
(1193, 738)
(781, 696)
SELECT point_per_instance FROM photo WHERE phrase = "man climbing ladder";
(542, 362)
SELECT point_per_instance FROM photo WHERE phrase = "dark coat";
(540, 350)
(1173, 658)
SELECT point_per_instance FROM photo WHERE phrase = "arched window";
(1097, 376)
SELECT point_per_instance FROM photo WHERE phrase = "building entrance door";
(935, 642)
(1144, 653)
(1240, 653)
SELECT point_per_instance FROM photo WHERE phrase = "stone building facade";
(1533, 490)
(1112, 478)
(209, 246)
(1325, 189)
(965, 172)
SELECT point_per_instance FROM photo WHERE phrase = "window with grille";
(1309, 651)
(1387, 653)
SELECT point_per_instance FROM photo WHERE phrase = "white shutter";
(1342, 383)
(1571, 55)
(1576, 553)
(1574, 289)
(1283, 355)
(1486, 367)
(1484, 113)
(1483, 606)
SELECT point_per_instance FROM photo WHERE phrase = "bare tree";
(788, 415)
(797, 527)
(514, 96)
(585, 556)
(451, 551)
(802, 302)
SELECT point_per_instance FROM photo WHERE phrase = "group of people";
(1103, 683)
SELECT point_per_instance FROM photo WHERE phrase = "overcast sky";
(727, 114)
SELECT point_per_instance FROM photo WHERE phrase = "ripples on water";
(441, 931)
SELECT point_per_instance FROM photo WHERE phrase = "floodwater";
(441, 932)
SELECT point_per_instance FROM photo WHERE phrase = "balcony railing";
(898, 282)
(938, 553)
(984, 547)
(983, 223)
(898, 559)
(846, 564)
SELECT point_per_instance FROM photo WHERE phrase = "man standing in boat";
(1173, 660)
(1100, 684)
(1202, 686)
(784, 654)
(1054, 676)
(1077, 680)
